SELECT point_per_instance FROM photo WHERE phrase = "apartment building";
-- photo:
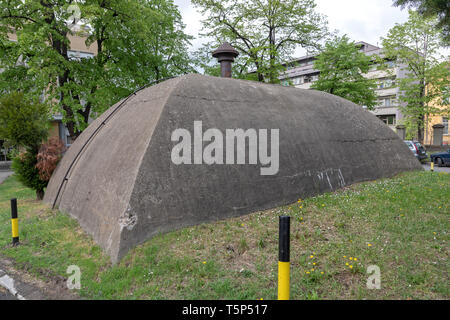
(301, 73)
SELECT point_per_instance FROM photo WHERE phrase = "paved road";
(4, 175)
(5, 295)
(436, 168)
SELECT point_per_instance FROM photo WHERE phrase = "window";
(390, 64)
(445, 123)
(307, 79)
(385, 83)
(387, 102)
(297, 80)
(388, 119)
(446, 96)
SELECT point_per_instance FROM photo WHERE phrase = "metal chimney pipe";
(225, 54)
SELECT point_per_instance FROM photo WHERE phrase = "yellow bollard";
(14, 222)
(284, 263)
(432, 166)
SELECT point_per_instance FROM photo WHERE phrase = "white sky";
(361, 20)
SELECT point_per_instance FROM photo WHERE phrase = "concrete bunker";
(120, 182)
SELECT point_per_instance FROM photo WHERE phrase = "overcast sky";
(361, 20)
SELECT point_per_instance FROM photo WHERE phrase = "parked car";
(417, 149)
(441, 158)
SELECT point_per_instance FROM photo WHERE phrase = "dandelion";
(355, 259)
(350, 266)
(346, 263)
(242, 224)
(322, 272)
(307, 272)
(323, 205)
(312, 269)
(369, 245)
(345, 256)
(311, 256)
(351, 258)
(314, 263)
(204, 262)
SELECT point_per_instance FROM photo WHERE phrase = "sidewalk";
(4, 175)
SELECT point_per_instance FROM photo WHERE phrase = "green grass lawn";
(400, 224)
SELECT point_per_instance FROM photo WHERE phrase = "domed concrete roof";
(120, 181)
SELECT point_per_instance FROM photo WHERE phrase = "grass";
(400, 224)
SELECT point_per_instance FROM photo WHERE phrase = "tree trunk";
(40, 194)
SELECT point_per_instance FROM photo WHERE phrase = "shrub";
(48, 157)
(24, 125)
(24, 166)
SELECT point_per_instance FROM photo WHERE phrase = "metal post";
(284, 258)
(14, 222)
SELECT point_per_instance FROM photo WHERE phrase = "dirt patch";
(36, 289)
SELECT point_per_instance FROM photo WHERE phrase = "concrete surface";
(436, 168)
(5, 165)
(4, 175)
(123, 188)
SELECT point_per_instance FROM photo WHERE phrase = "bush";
(24, 166)
(48, 157)
(24, 125)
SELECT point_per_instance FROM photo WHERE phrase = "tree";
(138, 41)
(429, 8)
(265, 32)
(24, 124)
(415, 45)
(342, 65)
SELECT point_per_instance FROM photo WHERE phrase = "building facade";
(301, 73)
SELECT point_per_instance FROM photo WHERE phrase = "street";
(436, 168)
(4, 175)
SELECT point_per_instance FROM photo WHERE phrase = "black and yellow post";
(284, 264)
(14, 222)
